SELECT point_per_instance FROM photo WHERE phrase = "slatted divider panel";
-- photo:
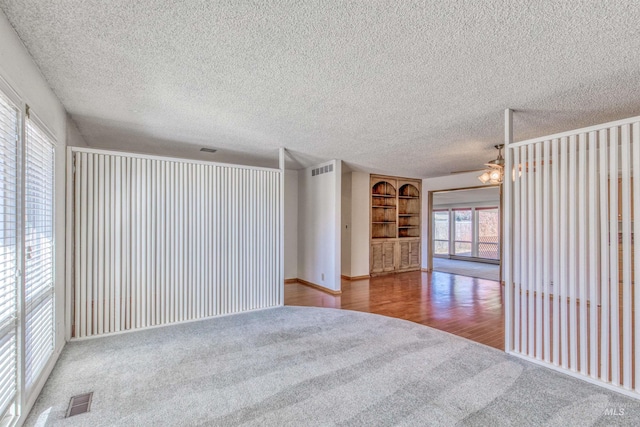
(573, 268)
(159, 241)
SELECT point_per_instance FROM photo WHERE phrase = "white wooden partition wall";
(569, 252)
(160, 240)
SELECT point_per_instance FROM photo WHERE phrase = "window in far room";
(467, 232)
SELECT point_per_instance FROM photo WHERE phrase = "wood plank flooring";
(464, 306)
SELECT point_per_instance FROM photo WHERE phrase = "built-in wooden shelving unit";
(395, 224)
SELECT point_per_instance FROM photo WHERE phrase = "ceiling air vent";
(321, 170)
(208, 150)
(79, 404)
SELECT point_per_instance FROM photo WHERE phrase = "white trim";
(281, 164)
(577, 374)
(166, 158)
(38, 385)
(12, 94)
(69, 246)
(175, 323)
(576, 131)
(33, 117)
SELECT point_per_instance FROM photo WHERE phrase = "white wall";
(346, 225)
(462, 180)
(74, 139)
(291, 224)
(319, 217)
(359, 224)
(21, 73)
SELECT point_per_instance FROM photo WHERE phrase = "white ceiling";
(407, 88)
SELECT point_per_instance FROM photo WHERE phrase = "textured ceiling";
(408, 88)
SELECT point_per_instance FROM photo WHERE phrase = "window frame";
(25, 396)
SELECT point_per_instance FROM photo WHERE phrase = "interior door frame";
(430, 222)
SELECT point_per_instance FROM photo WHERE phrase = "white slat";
(516, 250)
(573, 254)
(594, 259)
(563, 266)
(524, 250)
(555, 204)
(635, 132)
(613, 256)
(547, 248)
(531, 253)
(539, 234)
(603, 140)
(582, 253)
(625, 158)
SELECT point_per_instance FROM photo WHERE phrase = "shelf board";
(384, 196)
(408, 227)
(384, 207)
(408, 197)
(409, 215)
(383, 222)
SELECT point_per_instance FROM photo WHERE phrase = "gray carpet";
(480, 270)
(301, 366)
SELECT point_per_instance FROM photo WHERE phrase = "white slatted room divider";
(161, 240)
(571, 304)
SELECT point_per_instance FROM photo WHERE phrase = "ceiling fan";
(493, 171)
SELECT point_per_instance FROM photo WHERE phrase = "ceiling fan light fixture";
(494, 174)
(485, 177)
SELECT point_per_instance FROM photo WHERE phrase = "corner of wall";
(360, 224)
(74, 137)
(291, 224)
(345, 226)
(319, 224)
(21, 73)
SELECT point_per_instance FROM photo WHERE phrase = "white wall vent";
(321, 170)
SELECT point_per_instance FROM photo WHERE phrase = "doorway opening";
(465, 232)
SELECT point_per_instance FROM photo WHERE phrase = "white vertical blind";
(38, 246)
(159, 241)
(9, 139)
(572, 203)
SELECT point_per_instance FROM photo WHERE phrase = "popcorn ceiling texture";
(409, 88)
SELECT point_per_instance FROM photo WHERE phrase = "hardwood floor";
(464, 306)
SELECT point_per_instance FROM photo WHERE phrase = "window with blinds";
(9, 139)
(38, 251)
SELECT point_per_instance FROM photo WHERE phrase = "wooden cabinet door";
(405, 255)
(383, 257)
(377, 264)
(414, 254)
(409, 255)
(389, 256)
